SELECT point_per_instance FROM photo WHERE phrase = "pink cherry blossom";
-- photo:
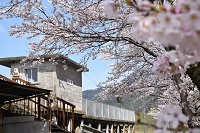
(194, 130)
(132, 36)
(175, 115)
(170, 116)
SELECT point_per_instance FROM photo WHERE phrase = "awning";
(12, 91)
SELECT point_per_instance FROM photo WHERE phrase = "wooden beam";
(10, 95)
(29, 88)
(5, 88)
(22, 98)
(6, 79)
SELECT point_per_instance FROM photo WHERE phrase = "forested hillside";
(130, 102)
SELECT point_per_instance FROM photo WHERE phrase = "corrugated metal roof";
(12, 91)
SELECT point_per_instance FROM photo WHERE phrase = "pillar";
(107, 128)
(90, 125)
(133, 129)
(81, 126)
(129, 128)
(69, 127)
(77, 130)
(112, 129)
(124, 128)
(118, 128)
(99, 126)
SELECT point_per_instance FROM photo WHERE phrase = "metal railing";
(97, 109)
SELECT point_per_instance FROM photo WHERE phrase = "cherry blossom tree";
(137, 36)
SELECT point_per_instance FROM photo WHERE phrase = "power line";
(90, 79)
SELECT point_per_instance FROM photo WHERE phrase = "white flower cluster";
(171, 62)
(176, 27)
(172, 119)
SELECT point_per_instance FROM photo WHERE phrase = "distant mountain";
(127, 102)
(90, 94)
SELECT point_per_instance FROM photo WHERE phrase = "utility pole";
(144, 116)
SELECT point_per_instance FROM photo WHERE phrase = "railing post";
(108, 111)
(28, 106)
(24, 107)
(102, 111)
(86, 106)
(36, 108)
(72, 119)
(114, 112)
(95, 110)
(49, 108)
(124, 114)
(39, 109)
(63, 114)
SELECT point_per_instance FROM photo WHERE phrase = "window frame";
(31, 79)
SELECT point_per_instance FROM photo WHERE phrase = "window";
(70, 82)
(31, 74)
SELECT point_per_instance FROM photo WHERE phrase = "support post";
(112, 129)
(90, 125)
(124, 128)
(77, 130)
(107, 128)
(133, 129)
(129, 128)
(118, 128)
(99, 126)
(69, 125)
(81, 126)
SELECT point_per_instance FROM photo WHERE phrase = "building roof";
(7, 61)
(12, 91)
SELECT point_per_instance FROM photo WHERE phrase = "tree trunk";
(194, 73)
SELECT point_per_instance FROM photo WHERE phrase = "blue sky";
(11, 46)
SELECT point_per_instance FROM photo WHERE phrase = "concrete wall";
(24, 124)
(55, 78)
(45, 74)
(66, 90)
